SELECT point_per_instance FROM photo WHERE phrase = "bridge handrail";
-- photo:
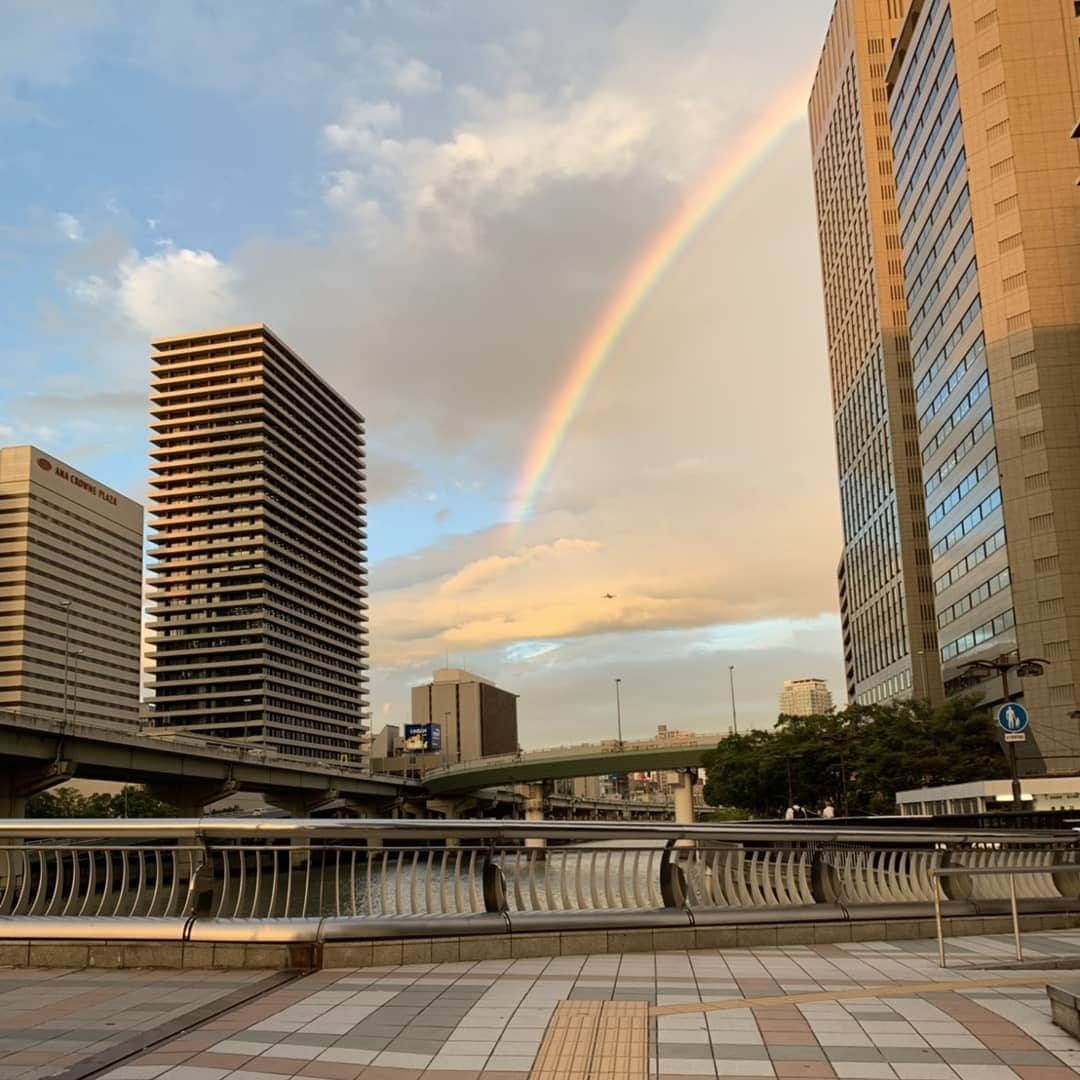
(488, 829)
(226, 879)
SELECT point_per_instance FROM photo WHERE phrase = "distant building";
(474, 717)
(70, 592)
(258, 555)
(805, 697)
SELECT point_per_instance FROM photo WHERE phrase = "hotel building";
(258, 554)
(886, 591)
(70, 592)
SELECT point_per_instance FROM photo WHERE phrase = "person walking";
(790, 815)
(829, 810)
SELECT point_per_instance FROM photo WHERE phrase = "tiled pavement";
(487, 1020)
(51, 1019)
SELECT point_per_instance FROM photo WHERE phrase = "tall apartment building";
(70, 592)
(258, 553)
(983, 96)
(805, 697)
(476, 717)
(886, 593)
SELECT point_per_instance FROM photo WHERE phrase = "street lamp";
(75, 687)
(66, 605)
(618, 710)
(734, 718)
(1030, 667)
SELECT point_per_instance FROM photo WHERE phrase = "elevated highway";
(564, 762)
(37, 753)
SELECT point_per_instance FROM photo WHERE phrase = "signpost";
(1013, 721)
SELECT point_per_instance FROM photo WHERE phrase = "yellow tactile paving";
(888, 990)
(595, 1040)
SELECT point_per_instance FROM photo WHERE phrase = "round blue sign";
(1012, 718)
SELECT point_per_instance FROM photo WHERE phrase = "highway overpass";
(598, 759)
(37, 753)
(190, 773)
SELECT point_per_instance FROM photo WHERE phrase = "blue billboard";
(420, 738)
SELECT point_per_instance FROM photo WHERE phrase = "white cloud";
(416, 78)
(69, 226)
(170, 291)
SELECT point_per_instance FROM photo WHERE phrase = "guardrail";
(318, 880)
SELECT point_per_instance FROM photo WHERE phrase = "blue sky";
(431, 202)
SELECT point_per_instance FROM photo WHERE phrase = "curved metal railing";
(373, 876)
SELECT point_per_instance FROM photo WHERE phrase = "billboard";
(420, 738)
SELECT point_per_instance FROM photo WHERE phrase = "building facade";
(982, 98)
(476, 718)
(805, 697)
(258, 558)
(71, 589)
(886, 593)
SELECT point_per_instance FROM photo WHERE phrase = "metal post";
(937, 922)
(66, 605)
(618, 710)
(1017, 793)
(75, 688)
(1015, 916)
(734, 718)
(843, 782)
(790, 795)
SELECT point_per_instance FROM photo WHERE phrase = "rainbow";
(783, 112)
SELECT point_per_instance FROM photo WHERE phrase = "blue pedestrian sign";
(1012, 718)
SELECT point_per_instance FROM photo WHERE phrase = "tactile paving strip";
(595, 1040)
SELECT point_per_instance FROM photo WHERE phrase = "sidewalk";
(708, 1013)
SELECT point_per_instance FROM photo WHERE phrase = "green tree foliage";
(871, 750)
(66, 802)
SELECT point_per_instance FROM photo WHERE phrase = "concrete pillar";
(535, 797)
(684, 798)
(12, 801)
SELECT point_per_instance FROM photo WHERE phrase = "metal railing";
(244, 879)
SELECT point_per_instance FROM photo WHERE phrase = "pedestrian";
(790, 815)
(799, 811)
(829, 811)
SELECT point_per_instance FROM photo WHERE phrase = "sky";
(433, 202)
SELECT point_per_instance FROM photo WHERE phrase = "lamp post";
(1031, 667)
(618, 710)
(618, 720)
(75, 687)
(66, 605)
(734, 718)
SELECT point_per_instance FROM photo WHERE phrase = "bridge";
(37, 753)
(190, 773)
(452, 789)
(564, 762)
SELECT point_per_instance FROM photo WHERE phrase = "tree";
(862, 756)
(67, 802)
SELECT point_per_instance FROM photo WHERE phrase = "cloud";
(69, 226)
(416, 78)
(487, 571)
(173, 290)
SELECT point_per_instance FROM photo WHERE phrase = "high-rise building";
(70, 592)
(982, 98)
(887, 609)
(475, 718)
(805, 697)
(258, 554)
